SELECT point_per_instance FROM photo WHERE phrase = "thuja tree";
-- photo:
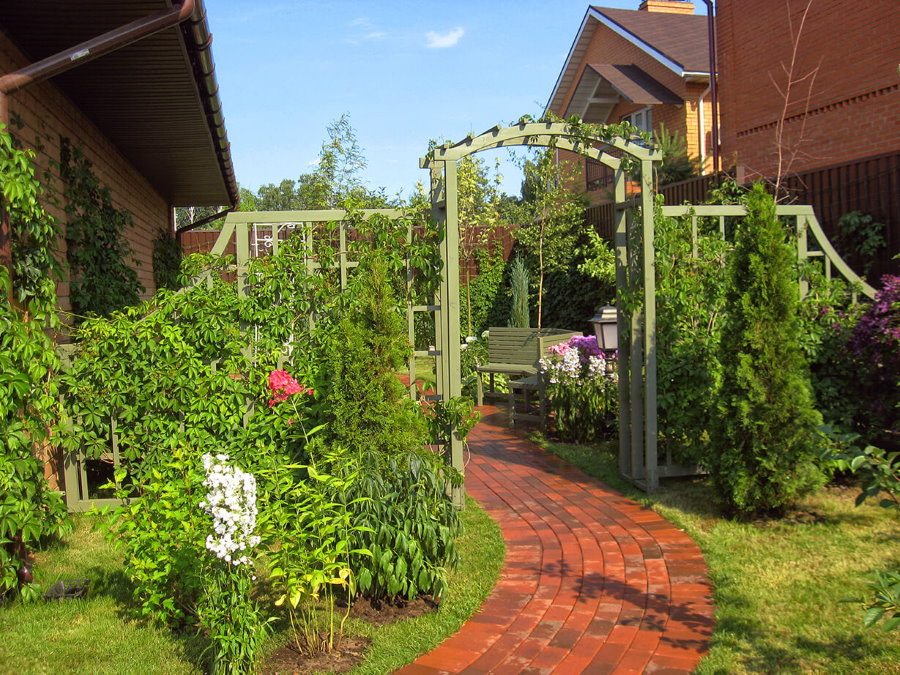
(407, 522)
(764, 441)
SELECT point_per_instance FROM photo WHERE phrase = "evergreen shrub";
(764, 440)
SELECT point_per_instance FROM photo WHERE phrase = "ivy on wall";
(167, 256)
(29, 510)
(101, 280)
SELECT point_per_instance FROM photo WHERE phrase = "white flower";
(231, 502)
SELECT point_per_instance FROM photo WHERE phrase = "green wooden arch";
(635, 274)
(635, 270)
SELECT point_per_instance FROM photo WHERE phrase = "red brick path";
(592, 582)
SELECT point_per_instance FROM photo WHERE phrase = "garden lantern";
(606, 328)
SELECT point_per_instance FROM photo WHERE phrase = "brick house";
(845, 104)
(146, 115)
(648, 66)
(841, 126)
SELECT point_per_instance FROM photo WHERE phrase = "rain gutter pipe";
(203, 221)
(711, 27)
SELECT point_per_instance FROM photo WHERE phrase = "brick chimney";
(667, 6)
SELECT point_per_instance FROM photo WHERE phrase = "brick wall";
(848, 108)
(46, 114)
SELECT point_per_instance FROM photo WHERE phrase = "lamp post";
(606, 328)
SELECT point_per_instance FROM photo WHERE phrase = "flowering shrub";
(875, 345)
(231, 502)
(283, 386)
(225, 608)
(581, 388)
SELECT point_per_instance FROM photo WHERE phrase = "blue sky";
(405, 72)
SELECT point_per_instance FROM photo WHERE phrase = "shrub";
(518, 286)
(580, 390)
(400, 504)
(764, 442)
(875, 346)
(691, 301)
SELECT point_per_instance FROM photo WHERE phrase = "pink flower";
(283, 385)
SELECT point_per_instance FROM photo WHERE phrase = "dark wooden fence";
(870, 185)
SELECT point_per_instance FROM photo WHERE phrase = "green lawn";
(98, 635)
(780, 585)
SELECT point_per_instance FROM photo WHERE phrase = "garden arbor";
(635, 274)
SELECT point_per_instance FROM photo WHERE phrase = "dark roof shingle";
(683, 38)
(635, 84)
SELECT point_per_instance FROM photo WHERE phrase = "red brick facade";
(848, 107)
(39, 115)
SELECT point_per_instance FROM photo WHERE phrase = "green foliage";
(30, 511)
(483, 302)
(518, 286)
(764, 439)
(167, 255)
(232, 619)
(556, 221)
(478, 199)
(860, 239)
(879, 472)
(161, 531)
(676, 164)
(401, 504)
(96, 249)
(886, 603)
(32, 231)
(691, 297)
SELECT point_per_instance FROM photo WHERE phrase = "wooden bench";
(515, 352)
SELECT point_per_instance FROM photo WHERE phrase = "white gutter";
(702, 125)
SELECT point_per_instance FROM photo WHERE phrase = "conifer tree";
(764, 440)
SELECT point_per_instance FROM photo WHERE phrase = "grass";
(97, 635)
(779, 586)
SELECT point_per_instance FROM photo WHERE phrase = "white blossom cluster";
(231, 501)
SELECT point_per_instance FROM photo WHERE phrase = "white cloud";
(435, 40)
(376, 35)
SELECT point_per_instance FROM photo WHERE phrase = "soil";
(287, 660)
(386, 613)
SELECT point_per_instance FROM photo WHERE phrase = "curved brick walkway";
(592, 581)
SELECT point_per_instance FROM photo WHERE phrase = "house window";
(642, 119)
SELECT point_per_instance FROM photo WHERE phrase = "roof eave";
(568, 70)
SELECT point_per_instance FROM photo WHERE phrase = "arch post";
(445, 210)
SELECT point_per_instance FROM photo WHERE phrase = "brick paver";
(592, 582)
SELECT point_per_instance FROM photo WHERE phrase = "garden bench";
(515, 352)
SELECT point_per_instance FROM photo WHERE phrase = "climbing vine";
(101, 279)
(29, 510)
(167, 255)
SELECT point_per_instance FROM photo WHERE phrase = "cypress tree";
(765, 443)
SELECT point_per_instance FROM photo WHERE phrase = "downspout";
(70, 58)
(711, 27)
(203, 221)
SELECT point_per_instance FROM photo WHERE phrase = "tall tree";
(556, 215)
